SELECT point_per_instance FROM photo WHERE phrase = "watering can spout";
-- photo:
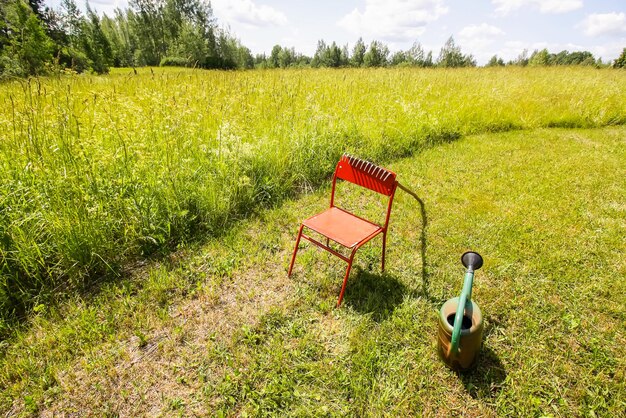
(472, 261)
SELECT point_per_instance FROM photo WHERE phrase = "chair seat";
(342, 227)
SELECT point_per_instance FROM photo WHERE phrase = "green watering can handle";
(473, 261)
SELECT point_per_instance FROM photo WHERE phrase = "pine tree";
(539, 58)
(358, 53)
(495, 62)
(376, 55)
(28, 50)
(415, 55)
(320, 54)
(95, 44)
(273, 59)
(333, 56)
(451, 56)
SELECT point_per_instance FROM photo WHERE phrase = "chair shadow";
(379, 294)
(424, 289)
(486, 379)
(423, 245)
(375, 294)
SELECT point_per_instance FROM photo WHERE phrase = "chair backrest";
(365, 174)
(368, 175)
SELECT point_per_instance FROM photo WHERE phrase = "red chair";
(343, 227)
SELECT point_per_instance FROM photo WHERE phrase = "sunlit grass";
(101, 171)
(220, 329)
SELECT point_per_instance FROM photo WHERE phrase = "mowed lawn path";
(219, 330)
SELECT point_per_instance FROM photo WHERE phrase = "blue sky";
(481, 27)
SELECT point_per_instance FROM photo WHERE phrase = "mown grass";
(219, 330)
(98, 172)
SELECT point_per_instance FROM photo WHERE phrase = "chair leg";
(382, 266)
(295, 251)
(345, 279)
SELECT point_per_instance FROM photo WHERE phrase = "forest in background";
(36, 40)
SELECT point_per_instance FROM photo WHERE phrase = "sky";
(482, 28)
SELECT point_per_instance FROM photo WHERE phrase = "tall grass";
(100, 171)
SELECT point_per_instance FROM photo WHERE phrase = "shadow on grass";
(423, 245)
(424, 289)
(380, 294)
(375, 294)
(486, 380)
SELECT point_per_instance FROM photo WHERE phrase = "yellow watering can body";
(471, 336)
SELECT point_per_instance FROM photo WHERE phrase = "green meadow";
(147, 220)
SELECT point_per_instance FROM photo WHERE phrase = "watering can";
(461, 322)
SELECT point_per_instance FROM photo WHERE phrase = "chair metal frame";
(345, 228)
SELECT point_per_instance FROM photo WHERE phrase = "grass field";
(218, 329)
(100, 173)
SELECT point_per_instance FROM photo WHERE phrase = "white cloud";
(101, 6)
(558, 6)
(477, 40)
(248, 13)
(480, 31)
(393, 20)
(604, 24)
(106, 2)
(608, 51)
(504, 7)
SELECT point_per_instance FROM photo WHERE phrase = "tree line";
(377, 54)
(35, 40)
(543, 58)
